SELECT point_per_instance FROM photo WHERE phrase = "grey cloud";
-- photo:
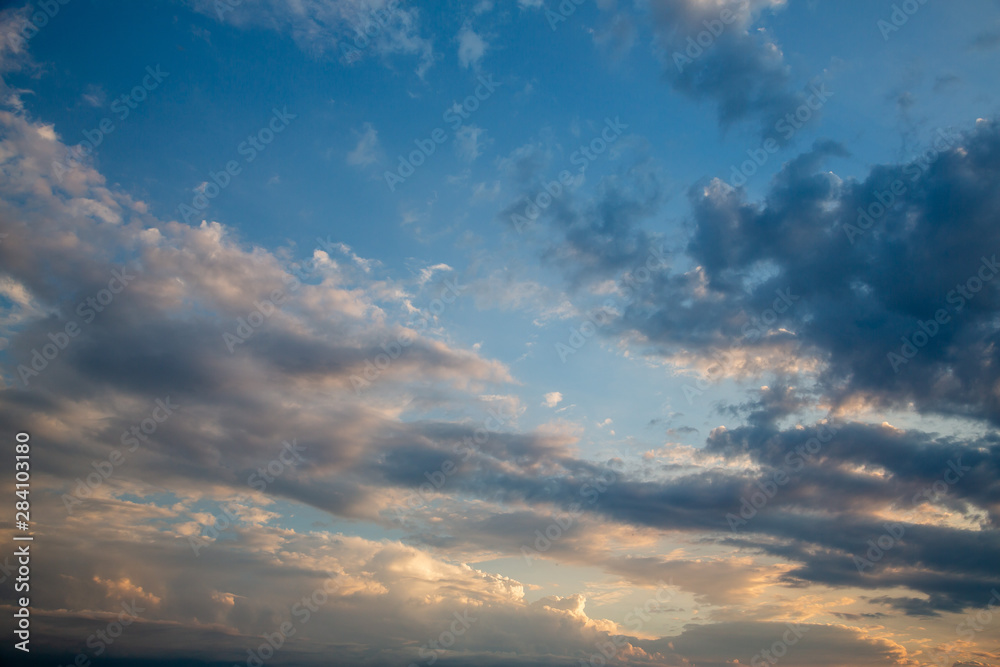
(736, 66)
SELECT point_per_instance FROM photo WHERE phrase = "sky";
(536, 332)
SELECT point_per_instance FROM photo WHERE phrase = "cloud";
(986, 40)
(471, 47)
(848, 310)
(618, 38)
(804, 288)
(808, 280)
(148, 344)
(469, 142)
(482, 191)
(739, 68)
(354, 366)
(95, 96)
(368, 149)
(15, 24)
(15, 29)
(162, 337)
(719, 644)
(351, 31)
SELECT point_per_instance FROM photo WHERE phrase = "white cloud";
(13, 26)
(469, 142)
(95, 96)
(14, 56)
(471, 47)
(368, 149)
(552, 399)
(488, 192)
(427, 272)
(324, 28)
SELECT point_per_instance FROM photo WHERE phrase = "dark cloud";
(714, 51)
(860, 284)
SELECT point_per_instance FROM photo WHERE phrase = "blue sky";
(691, 303)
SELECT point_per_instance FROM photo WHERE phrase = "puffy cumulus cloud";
(348, 29)
(125, 588)
(715, 51)
(878, 290)
(886, 281)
